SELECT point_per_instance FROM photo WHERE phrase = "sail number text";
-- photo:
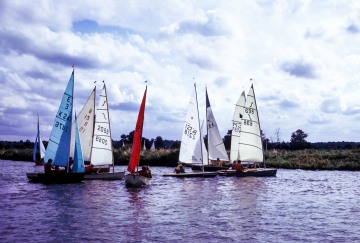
(61, 126)
(247, 122)
(103, 129)
(101, 140)
(236, 126)
(190, 131)
(250, 110)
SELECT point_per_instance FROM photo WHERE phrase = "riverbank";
(309, 159)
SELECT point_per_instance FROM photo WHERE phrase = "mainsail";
(58, 148)
(250, 144)
(216, 147)
(191, 148)
(102, 150)
(136, 146)
(235, 134)
(85, 120)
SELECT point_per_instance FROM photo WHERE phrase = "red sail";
(136, 146)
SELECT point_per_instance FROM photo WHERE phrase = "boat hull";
(137, 180)
(105, 176)
(259, 172)
(198, 168)
(61, 178)
(191, 174)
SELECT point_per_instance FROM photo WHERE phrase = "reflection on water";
(296, 205)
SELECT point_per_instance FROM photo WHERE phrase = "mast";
(197, 107)
(257, 113)
(72, 104)
(112, 148)
(207, 127)
(93, 128)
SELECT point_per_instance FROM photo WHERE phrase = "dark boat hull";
(191, 174)
(197, 168)
(60, 178)
(259, 172)
(110, 176)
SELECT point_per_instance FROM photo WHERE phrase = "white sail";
(85, 121)
(152, 146)
(144, 147)
(102, 152)
(235, 134)
(216, 147)
(250, 145)
(190, 152)
(38, 143)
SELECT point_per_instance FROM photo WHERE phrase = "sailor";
(48, 167)
(179, 169)
(239, 168)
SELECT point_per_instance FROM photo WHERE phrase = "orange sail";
(136, 146)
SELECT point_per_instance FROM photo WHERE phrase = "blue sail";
(58, 148)
(35, 145)
(78, 165)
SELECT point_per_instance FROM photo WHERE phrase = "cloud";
(299, 69)
(318, 120)
(353, 29)
(331, 106)
(91, 26)
(288, 104)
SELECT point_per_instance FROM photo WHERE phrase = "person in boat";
(233, 167)
(148, 172)
(179, 169)
(48, 167)
(219, 162)
(239, 168)
(145, 172)
(89, 168)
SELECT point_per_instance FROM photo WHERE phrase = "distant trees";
(298, 141)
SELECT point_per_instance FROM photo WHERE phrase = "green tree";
(298, 141)
(159, 142)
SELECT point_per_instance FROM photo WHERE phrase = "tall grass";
(309, 159)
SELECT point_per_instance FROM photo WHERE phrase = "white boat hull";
(136, 180)
(105, 176)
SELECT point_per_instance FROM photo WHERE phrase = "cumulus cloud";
(299, 69)
(299, 53)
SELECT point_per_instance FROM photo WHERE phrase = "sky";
(303, 58)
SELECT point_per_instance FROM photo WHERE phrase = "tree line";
(297, 142)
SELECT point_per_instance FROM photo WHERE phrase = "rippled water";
(302, 206)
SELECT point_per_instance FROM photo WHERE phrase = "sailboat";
(216, 147)
(250, 146)
(58, 149)
(39, 149)
(102, 156)
(134, 179)
(192, 148)
(152, 146)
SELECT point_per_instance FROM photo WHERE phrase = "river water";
(294, 206)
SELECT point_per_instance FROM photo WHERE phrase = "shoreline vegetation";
(307, 159)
